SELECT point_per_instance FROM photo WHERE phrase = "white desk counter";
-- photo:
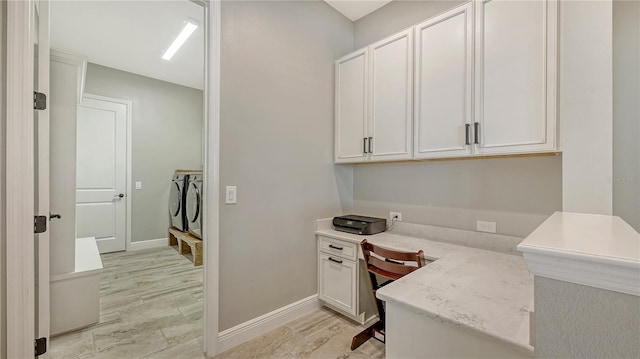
(486, 294)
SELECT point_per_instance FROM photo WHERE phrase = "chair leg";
(369, 332)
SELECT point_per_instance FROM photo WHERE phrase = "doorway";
(138, 123)
(19, 260)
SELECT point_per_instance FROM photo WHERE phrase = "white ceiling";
(355, 9)
(132, 36)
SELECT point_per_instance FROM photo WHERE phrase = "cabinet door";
(443, 84)
(337, 282)
(516, 75)
(391, 98)
(351, 107)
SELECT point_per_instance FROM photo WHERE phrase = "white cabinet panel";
(338, 282)
(351, 106)
(443, 84)
(516, 78)
(391, 97)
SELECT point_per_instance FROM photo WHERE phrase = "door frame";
(211, 225)
(128, 183)
(19, 190)
(20, 313)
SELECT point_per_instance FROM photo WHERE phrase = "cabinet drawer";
(339, 248)
(337, 282)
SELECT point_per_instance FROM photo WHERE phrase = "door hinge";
(39, 101)
(40, 346)
(39, 224)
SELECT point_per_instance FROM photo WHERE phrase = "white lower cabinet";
(338, 282)
(342, 282)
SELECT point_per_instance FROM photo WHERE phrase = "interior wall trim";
(250, 329)
(149, 243)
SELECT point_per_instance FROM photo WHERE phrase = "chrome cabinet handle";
(370, 142)
(335, 260)
(364, 146)
(334, 247)
(467, 134)
(476, 133)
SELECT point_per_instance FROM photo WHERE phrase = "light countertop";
(608, 238)
(474, 289)
(588, 249)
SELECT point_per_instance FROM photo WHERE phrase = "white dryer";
(194, 207)
(177, 201)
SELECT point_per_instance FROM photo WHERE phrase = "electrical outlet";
(396, 215)
(138, 184)
(489, 227)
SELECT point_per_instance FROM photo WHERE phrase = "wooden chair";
(390, 265)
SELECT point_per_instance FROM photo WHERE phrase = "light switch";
(231, 194)
(138, 184)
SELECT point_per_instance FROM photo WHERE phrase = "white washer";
(195, 205)
(177, 201)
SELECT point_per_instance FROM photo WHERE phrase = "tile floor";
(322, 334)
(151, 307)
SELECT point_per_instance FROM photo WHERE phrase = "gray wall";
(576, 321)
(517, 193)
(397, 15)
(626, 111)
(167, 122)
(276, 135)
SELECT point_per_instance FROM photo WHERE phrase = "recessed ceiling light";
(190, 26)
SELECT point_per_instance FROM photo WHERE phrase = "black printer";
(359, 224)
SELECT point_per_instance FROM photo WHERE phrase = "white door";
(351, 107)
(391, 114)
(101, 172)
(443, 84)
(516, 75)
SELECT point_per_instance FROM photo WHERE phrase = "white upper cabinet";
(443, 84)
(390, 124)
(479, 79)
(374, 102)
(516, 56)
(351, 91)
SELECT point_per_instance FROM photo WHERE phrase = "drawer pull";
(334, 247)
(335, 260)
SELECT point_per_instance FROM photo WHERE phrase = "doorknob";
(118, 196)
(54, 216)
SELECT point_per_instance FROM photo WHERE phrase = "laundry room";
(126, 139)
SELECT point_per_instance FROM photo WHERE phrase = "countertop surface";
(474, 289)
(591, 236)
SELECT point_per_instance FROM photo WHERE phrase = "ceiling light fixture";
(190, 26)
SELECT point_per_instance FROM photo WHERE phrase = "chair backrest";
(389, 263)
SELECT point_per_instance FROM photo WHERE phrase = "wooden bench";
(187, 244)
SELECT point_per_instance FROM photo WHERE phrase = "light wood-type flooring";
(151, 307)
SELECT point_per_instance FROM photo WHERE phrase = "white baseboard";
(151, 243)
(255, 327)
